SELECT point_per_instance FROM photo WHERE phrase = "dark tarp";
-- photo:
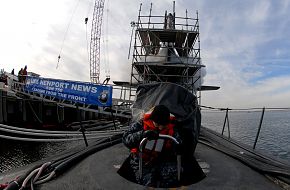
(182, 103)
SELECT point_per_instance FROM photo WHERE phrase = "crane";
(95, 41)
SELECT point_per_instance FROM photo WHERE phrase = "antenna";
(173, 7)
(174, 14)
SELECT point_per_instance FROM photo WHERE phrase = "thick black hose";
(65, 165)
(67, 156)
(64, 158)
(254, 160)
(59, 165)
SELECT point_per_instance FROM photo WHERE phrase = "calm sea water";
(274, 135)
(14, 154)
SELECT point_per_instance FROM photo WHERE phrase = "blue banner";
(86, 93)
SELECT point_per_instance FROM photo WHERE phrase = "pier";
(49, 109)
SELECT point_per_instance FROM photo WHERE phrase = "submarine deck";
(99, 171)
(223, 170)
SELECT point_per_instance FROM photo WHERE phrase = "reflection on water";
(274, 136)
(16, 153)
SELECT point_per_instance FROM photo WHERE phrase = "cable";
(34, 113)
(69, 161)
(48, 140)
(247, 156)
(69, 133)
(245, 109)
(133, 24)
(38, 171)
(61, 164)
(58, 135)
(66, 32)
(86, 23)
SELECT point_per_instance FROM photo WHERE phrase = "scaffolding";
(166, 49)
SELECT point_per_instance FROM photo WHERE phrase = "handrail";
(226, 120)
(260, 125)
(141, 145)
(244, 109)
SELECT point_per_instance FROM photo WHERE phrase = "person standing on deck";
(20, 73)
(24, 74)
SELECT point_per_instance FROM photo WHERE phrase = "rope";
(248, 156)
(244, 109)
(59, 132)
(34, 113)
(38, 172)
(49, 139)
(88, 53)
(54, 135)
(66, 32)
(133, 24)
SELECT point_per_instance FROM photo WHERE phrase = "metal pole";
(260, 125)
(24, 111)
(4, 107)
(150, 15)
(82, 128)
(113, 118)
(225, 121)
(229, 133)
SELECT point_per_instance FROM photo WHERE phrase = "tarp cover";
(182, 103)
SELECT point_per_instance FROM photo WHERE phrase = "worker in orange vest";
(159, 155)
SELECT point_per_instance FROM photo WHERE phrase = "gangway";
(119, 108)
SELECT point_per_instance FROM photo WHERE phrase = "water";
(274, 135)
(14, 154)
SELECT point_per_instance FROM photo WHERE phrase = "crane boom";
(95, 41)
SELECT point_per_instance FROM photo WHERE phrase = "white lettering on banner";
(33, 81)
(49, 88)
(77, 98)
(54, 84)
(62, 95)
(84, 88)
(58, 89)
(38, 90)
(50, 93)
(94, 89)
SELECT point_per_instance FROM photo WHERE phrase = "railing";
(226, 123)
(121, 99)
(157, 21)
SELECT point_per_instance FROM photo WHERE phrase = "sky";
(245, 44)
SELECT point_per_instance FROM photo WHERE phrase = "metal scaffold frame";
(178, 37)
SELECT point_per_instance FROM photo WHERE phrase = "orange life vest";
(154, 147)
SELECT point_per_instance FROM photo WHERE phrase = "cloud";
(244, 44)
